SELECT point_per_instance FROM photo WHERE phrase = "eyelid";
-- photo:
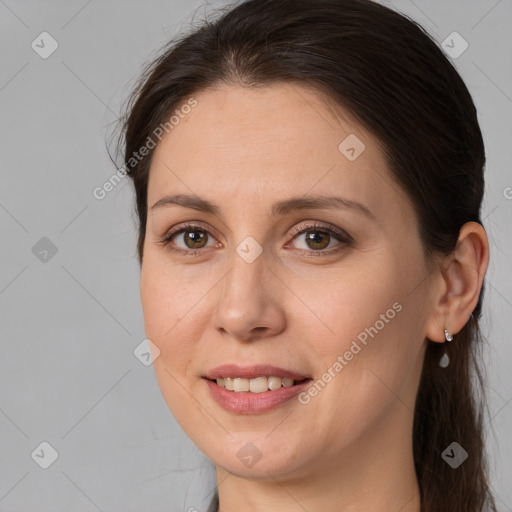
(315, 225)
(187, 225)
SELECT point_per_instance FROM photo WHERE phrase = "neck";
(376, 473)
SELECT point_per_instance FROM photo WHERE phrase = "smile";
(257, 385)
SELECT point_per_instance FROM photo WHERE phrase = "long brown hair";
(390, 74)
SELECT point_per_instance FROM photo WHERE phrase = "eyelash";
(341, 236)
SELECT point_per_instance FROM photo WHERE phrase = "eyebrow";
(309, 202)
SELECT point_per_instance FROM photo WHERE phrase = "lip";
(245, 402)
(253, 371)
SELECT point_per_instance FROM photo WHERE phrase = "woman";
(309, 178)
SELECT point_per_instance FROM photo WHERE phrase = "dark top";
(214, 504)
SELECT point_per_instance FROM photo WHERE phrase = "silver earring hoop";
(445, 360)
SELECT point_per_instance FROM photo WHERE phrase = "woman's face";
(347, 310)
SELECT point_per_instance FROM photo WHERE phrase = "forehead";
(262, 144)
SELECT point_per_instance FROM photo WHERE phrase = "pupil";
(195, 237)
(315, 237)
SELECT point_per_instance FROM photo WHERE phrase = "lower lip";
(245, 402)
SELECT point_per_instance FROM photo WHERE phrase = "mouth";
(259, 384)
(254, 389)
(254, 378)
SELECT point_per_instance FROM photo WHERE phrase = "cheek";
(354, 302)
(371, 343)
(364, 373)
(168, 303)
(165, 315)
(168, 320)
(371, 300)
(175, 310)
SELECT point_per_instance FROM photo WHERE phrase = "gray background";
(71, 320)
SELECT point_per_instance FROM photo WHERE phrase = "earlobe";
(462, 274)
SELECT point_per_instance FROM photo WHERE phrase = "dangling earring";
(445, 360)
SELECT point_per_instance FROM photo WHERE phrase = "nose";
(250, 303)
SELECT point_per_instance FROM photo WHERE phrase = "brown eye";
(317, 239)
(194, 238)
(187, 239)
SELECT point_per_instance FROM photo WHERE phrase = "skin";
(350, 447)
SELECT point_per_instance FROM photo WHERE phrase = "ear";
(460, 278)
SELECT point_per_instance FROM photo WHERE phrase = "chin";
(254, 456)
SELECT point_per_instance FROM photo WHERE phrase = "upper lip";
(253, 371)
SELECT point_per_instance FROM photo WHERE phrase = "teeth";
(241, 385)
(257, 385)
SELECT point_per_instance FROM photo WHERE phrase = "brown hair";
(389, 73)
